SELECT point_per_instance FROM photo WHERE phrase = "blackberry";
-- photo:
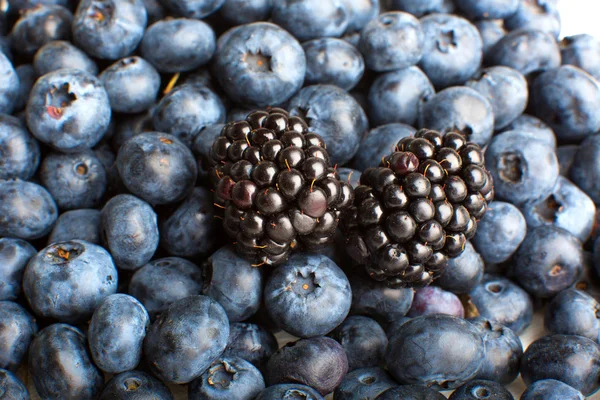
(275, 187)
(418, 208)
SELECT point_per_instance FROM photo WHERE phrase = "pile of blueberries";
(119, 280)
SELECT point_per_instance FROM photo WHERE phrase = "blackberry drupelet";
(418, 208)
(275, 187)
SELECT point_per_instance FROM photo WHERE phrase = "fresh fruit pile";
(400, 185)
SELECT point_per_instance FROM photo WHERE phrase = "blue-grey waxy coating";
(487, 9)
(573, 312)
(62, 54)
(14, 256)
(251, 342)
(9, 85)
(416, 7)
(471, 390)
(239, 12)
(364, 383)
(147, 387)
(20, 150)
(379, 143)
(278, 392)
(333, 61)
(551, 389)
(464, 272)
(27, 77)
(17, 329)
(196, 9)
(11, 387)
(311, 19)
(538, 15)
(82, 224)
(582, 51)
(533, 127)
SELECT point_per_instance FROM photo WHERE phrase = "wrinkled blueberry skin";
(157, 167)
(335, 115)
(491, 32)
(129, 231)
(534, 128)
(393, 40)
(116, 333)
(551, 389)
(40, 25)
(549, 260)
(379, 143)
(573, 312)
(116, 34)
(28, 211)
(82, 224)
(239, 12)
(186, 110)
(251, 342)
(135, 385)
(540, 15)
(363, 340)
(434, 300)
(60, 365)
(487, 9)
(192, 229)
(459, 108)
(568, 207)
(521, 173)
(178, 45)
(475, 390)
(228, 378)
(163, 281)
(132, 84)
(75, 180)
(19, 151)
(193, 8)
(499, 232)
(411, 392)
(526, 50)
(568, 358)
(68, 280)
(395, 96)
(289, 390)
(333, 61)
(416, 7)
(14, 256)
(585, 169)
(27, 77)
(62, 54)
(582, 51)
(311, 19)
(462, 273)
(506, 90)
(17, 329)
(9, 85)
(11, 387)
(259, 64)
(364, 383)
(184, 340)
(503, 352)
(308, 296)
(435, 350)
(69, 110)
(450, 61)
(318, 362)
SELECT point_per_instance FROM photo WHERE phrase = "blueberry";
(135, 385)
(311, 19)
(392, 41)
(395, 96)
(506, 90)
(27, 77)
(178, 45)
(349, 175)
(9, 85)
(491, 32)
(234, 283)
(239, 12)
(196, 9)
(433, 300)
(155, 10)
(319, 362)
(109, 29)
(128, 126)
(440, 351)
(464, 272)
(11, 387)
(129, 231)
(499, 232)
(567, 358)
(523, 170)
(364, 383)
(411, 392)
(17, 329)
(551, 389)
(308, 296)
(585, 169)
(452, 50)
(69, 110)
(461, 109)
(379, 143)
(157, 167)
(502, 302)
(336, 115)
(202, 146)
(416, 7)
(186, 110)
(62, 54)
(116, 333)
(549, 260)
(503, 352)
(20, 150)
(183, 342)
(481, 389)
(82, 224)
(40, 25)
(28, 211)
(532, 127)
(361, 12)
(334, 61)
(60, 365)
(488, 9)
(18, 6)
(582, 51)
(567, 99)
(363, 340)
(163, 281)
(259, 64)
(14, 256)
(290, 391)
(535, 14)
(573, 312)
(227, 378)
(251, 342)
(526, 50)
